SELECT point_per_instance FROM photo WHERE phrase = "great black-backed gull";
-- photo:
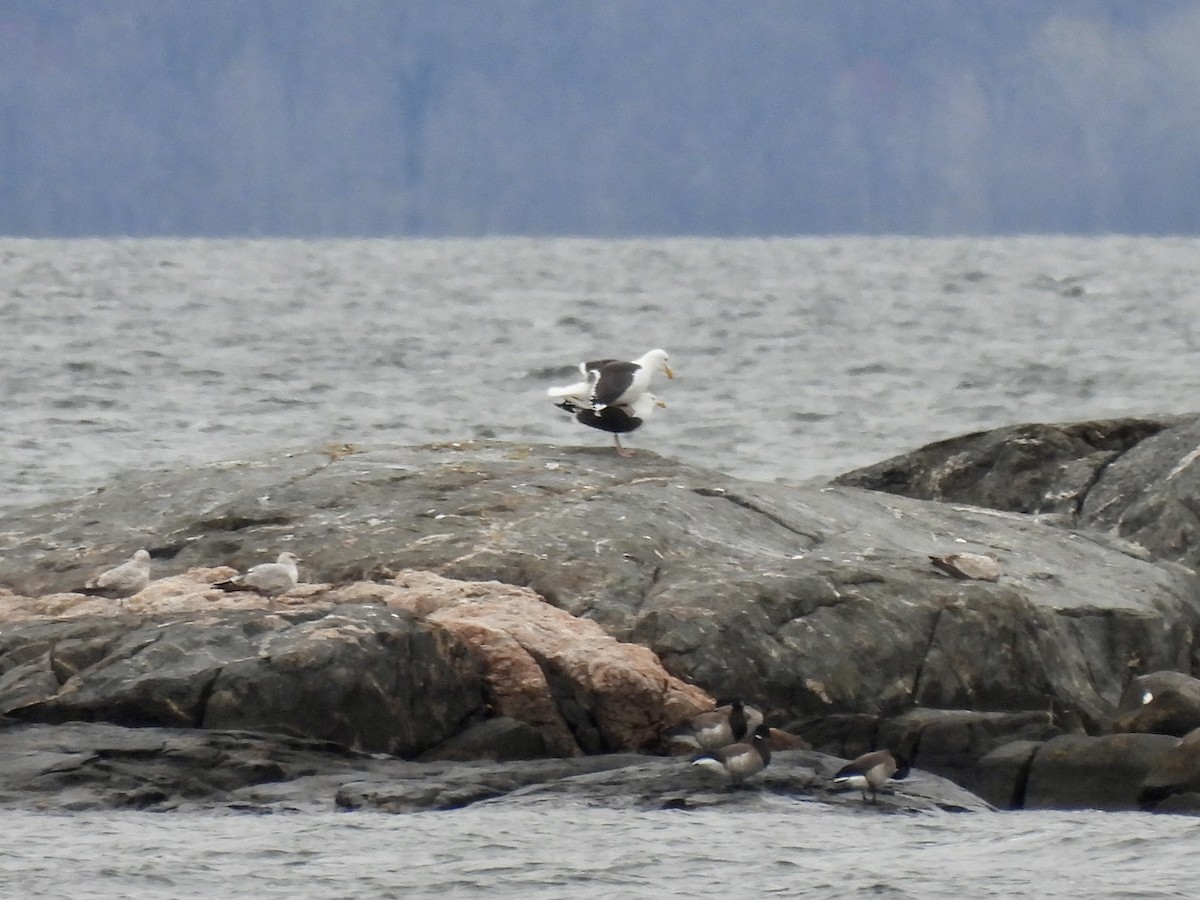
(740, 761)
(124, 580)
(614, 395)
(869, 771)
(615, 381)
(270, 579)
(617, 419)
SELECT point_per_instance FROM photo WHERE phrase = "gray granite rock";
(1031, 468)
(810, 601)
(366, 678)
(1082, 772)
(1160, 703)
(82, 766)
(1150, 495)
(1136, 479)
(1002, 774)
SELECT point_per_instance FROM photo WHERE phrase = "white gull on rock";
(614, 395)
(270, 579)
(124, 580)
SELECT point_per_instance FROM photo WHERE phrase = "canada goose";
(720, 727)
(871, 770)
(740, 761)
(124, 580)
(266, 578)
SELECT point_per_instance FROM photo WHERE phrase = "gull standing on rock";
(270, 579)
(615, 394)
(124, 580)
(617, 419)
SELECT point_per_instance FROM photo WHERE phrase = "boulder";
(1002, 775)
(951, 742)
(368, 678)
(547, 667)
(1136, 478)
(809, 601)
(1173, 780)
(1160, 703)
(1150, 494)
(500, 739)
(1033, 468)
(1076, 771)
(583, 690)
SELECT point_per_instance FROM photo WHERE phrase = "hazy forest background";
(628, 117)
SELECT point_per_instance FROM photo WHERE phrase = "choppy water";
(796, 358)
(790, 850)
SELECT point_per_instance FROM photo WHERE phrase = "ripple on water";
(796, 357)
(790, 848)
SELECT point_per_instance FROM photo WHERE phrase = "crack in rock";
(747, 503)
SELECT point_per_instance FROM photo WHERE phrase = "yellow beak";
(667, 369)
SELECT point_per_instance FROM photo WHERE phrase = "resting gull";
(270, 579)
(124, 580)
(977, 566)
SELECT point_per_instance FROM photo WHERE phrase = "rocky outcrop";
(1034, 468)
(1151, 494)
(399, 668)
(1172, 783)
(1072, 771)
(1160, 703)
(82, 766)
(584, 691)
(1137, 478)
(818, 604)
(809, 601)
(368, 678)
